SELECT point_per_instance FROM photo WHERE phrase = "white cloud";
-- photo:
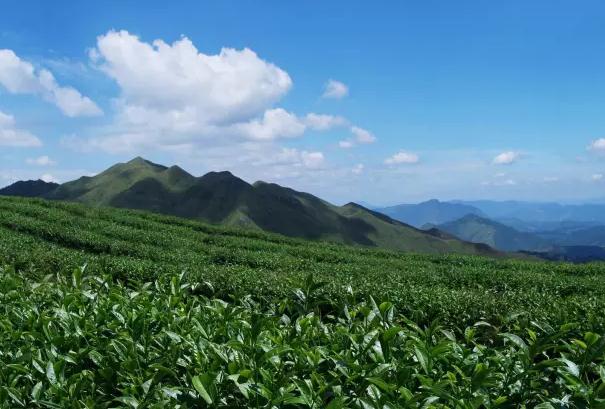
(40, 161)
(20, 77)
(11, 136)
(358, 169)
(48, 178)
(312, 160)
(232, 86)
(402, 157)
(597, 177)
(275, 123)
(174, 96)
(346, 144)
(598, 145)
(360, 136)
(322, 122)
(506, 158)
(335, 89)
(551, 179)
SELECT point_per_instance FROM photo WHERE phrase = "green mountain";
(222, 198)
(29, 188)
(477, 229)
(429, 212)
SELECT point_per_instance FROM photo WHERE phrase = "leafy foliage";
(95, 311)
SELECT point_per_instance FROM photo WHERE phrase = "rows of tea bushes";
(118, 308)
(42, 237)
(89, 341)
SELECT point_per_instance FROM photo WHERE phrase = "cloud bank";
(12, 136)
(20, 77)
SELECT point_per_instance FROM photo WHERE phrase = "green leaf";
(50, 373)
(199, 387)
(128, 400)
(422, 359)
(37, 389)
(381, 384)
(515, 339)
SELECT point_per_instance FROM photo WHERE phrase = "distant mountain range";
(430, 212)
(554, 231)
(479, 229)
(220, 197)
(577, 245)
(539, 212)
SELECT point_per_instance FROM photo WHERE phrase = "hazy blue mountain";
(541, 226)
(539, 212)
(430, 212)
(575, 254)
(478, 229)
(587, 236)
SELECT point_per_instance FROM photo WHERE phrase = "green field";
(116, 308)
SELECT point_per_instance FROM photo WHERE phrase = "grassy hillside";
(120, 308)
(222, 198)
(131, 244)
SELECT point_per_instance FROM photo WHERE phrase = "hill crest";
(223, 198)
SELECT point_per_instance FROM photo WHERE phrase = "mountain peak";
(355, 205)
(29, 188)
(140, 161)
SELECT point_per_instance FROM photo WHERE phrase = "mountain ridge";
(429, 212)
(223, 198)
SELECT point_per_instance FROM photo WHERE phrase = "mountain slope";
(222, 198)
(29, 188)
(481, 230)
(429, 212)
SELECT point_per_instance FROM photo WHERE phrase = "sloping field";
(116, 308)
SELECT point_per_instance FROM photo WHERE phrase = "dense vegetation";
(117, 308)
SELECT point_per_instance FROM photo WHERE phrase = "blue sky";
(384, 102)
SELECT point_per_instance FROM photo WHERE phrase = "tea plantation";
(106, 308)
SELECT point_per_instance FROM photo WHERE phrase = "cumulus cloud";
(346, 143)
(174, 96)
(20, 77)
(335, 90)
(12, 136)
(402, 157)
(597, 146)
(232, 86)
(359, 136)
(362, 135)
(597, 177)
(48, 178)
(321, 122)
(274, 123)
(312, 160)
(506, 158)
(40, 161)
